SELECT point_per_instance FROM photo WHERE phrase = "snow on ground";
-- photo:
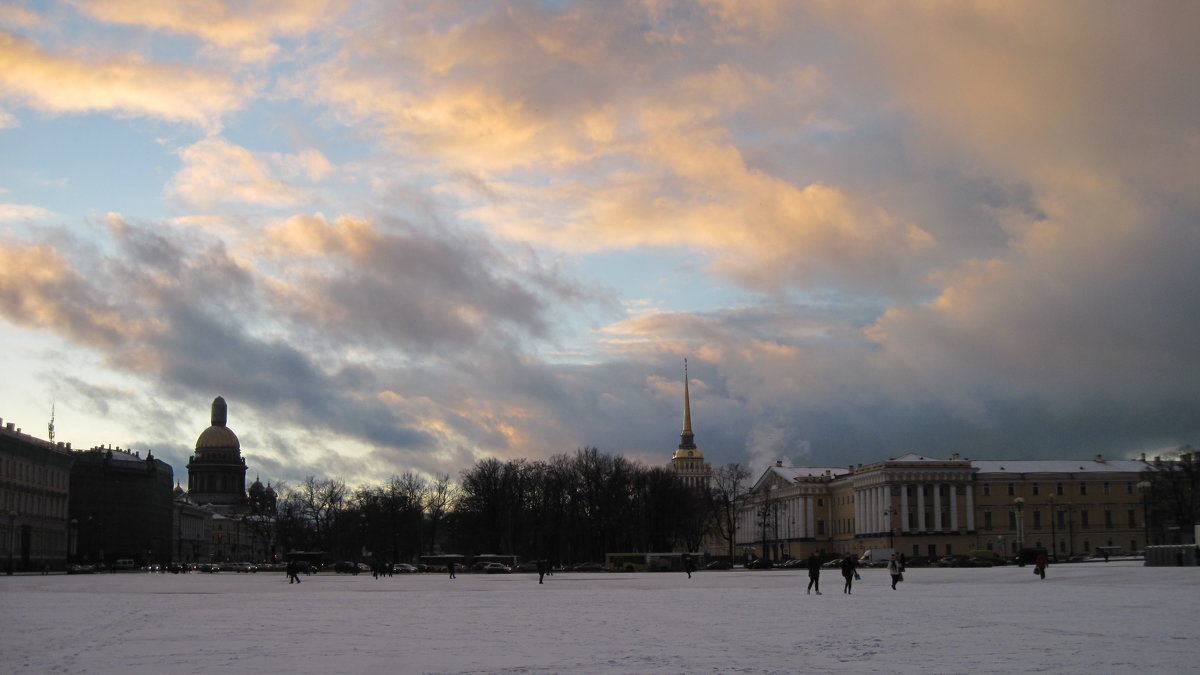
(1114, 617)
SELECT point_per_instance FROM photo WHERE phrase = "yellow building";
(923, 506)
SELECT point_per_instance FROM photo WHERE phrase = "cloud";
(23, 212)
(245, 30)
(125, 85)
(216, 172)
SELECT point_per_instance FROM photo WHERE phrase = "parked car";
(81, 569)
(916, 561)
(794, 562)
(718, 565)
(345, 567)
(759, 564)
(244, 567)
(527, 566)
(403, 568)
(588, 567)
(497, 568)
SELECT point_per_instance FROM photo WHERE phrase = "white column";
(921, 525)
(953, 507)
(971, 507)
(903, 507)
(937, 507)
(858, 509)
(812, 516)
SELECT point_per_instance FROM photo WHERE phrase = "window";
(1036, 490)
(987, 520)
(1062, 518)
(1012, 520)
(1107, 489)
(949, 549)
(820, 527)
(1083, 522)
(1083, 489)
(1129, 488)
(1037, 520)
(1132, 518)
(933, 551)
(987, 490)
(916, 549)
(1058, 489)
(1012, 490)
(820, 502)
(1108, 519)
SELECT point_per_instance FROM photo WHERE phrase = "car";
(497, 568)
(588, 567)
(718, 565)
(759, 564)
(81, 569)
(832, 564)
(244, 567)
(208, 568)
(403, 568)
(345, 567)
(527, 566)
(916, 561)
(793, 563)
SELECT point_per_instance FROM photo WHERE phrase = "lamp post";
(1144, 488)
(889, 513)
(1053, 531)
(12, 538)
(72, 535)
(1019, 503)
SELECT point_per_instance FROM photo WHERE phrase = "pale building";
(929, 507)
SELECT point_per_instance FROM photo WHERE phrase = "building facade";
(930, 507)
(34, 486)
(121, 507)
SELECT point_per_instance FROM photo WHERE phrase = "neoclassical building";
(216, 520)
(924, 506)
(688, 461)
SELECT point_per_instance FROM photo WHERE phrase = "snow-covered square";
(1116, 617)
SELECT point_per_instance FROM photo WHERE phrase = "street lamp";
(889, 513)
(1053, 530)
(12, 539)
(1144, 488)
(1019, 503)
(72, 535)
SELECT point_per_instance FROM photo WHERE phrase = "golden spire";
(687, 440)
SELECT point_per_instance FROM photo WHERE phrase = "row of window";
(14, 469)
(34, 505)
(1060, 489)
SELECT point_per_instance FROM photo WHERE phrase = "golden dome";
(218, 437)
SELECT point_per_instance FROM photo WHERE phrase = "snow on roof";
(792, 473)
(1061, 466)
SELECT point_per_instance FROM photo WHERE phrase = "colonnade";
(876, 511)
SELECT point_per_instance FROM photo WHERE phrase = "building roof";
(1062, 466)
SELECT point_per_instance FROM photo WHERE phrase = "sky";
(1084, 618)
(408, 236)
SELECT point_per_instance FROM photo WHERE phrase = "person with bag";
(849, 572)
(895, 570)
(814, 572)
(1041, 563)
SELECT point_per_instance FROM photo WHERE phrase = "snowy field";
(1090, 618)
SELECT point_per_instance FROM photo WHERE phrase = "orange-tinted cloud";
(121, 84)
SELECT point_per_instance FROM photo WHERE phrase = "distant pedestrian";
(849, 567)
(689, 565)
(814, 573)
(896, 570)
(293, 572)
(541, 568)
(1041, 563)
(451, 567)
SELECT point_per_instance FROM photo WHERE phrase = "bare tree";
(437, 502)
(728, 489)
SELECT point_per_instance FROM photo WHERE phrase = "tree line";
(569, 508)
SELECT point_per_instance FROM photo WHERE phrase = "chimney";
(779, 463)
(1143, 456)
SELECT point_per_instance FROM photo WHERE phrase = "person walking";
(541, 568)
(814, 573)
(293, 572)
(689, 565)
(849, 567)
(1041, 563)
(451, 567)
(896, 570)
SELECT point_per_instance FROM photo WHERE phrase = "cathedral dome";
(218, 435)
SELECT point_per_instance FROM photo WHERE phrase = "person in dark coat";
(541, 568)
(689, 565)
(814, 573)
(849, 567)
(293, 572)
(1041, 563)
(451, 567)
(896, 570)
